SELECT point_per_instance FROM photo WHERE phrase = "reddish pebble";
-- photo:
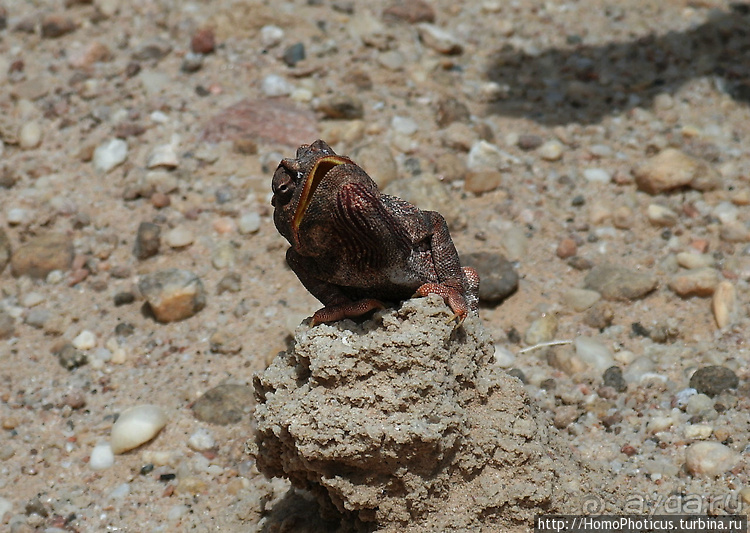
(224, 225)
(215, 89)
(628, 450)
(203, 41)
(567, 248)
(160, 200)
(700, 244)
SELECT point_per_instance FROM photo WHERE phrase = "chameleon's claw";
(452, 297)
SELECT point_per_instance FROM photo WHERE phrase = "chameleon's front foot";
(332, 313)
(452, 296)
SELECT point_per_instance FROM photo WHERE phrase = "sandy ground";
(533, 118)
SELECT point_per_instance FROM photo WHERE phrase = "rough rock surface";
(404, 421)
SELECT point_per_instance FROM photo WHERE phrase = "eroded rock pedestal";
(403, 422)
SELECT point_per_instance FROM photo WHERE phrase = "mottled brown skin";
(353, 247)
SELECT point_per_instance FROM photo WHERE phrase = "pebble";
(657, 424)
(692, 260)
(661, 216)
(179, 237)
(223, 255)
(671, 169)
(38, 317)
(17, 216)
(619, 283)
(698, 431)
(42, 255)
(6, 506)
(191, 63)
(713, 380)
(147, 240)
(623, 217)
(439, 39)
(173, 294)
(579, 300)
(710, 458)
(597, 175)
(504, 358)
(551, 150)
(225, 404)
(515, 243)
(85, 340)
(392, 59)
(565, 415)
(697, 282)
(450, 110)
(499, 278)
(101, 456)
(528, 142)
(120, 491)
(699, 404)
(152, 50)
(5, 250)
(734, 232)
(541, 330)
(163, 156)
(484, 155)
(411, 11)
(231, 282)
(54, 26)
(275, 85)
(203, 41)
(404, 125)
(613, 377)
(724, 304)
(110, 154)
(201, 440)
(726, 212)
(71, 358)
(30, 135)
(593, 353)
(484, 180)
(93, 52)
(136, 426)
(566, 248)
(271, 36)
(341, 106)
(377, 160)
(7, 325)
(294, 54)
(249, 223)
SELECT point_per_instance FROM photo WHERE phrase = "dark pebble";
(203, 41)
(7, 325)
(71, 358)
(613, 378)
(124, 298)
(411, 11)
(529, 142)
(513, 335)
(518, 373)
(450, 110)
(54, 26)
(191, 63)
(713, 380)
(147, 241)
(294, 54)
(124, 329)
(639, 330)
(548, 384)
(41, 255)
(611, 420)
(599, 316)
(35, 506)
(578, 201)
(147, 469)
(498, 278)
(3, 18)
(164, 478)
(225, 404)
(580, 263)
(5, 250)
(153, 50)
(341, 106)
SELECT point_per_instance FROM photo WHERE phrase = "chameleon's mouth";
(316, 175)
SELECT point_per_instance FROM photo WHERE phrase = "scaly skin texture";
(353, 247)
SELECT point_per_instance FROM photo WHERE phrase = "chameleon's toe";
(332, 313)
(452, 297)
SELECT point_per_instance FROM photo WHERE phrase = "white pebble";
(504, 358)
(110, 154)
(201, 440)
(600, 150)
(682, 397)
(136, 426)
(593, 353)
(249, 223)
(159, 117)
(179, 237)
(597, 175)
(271, 36)
(551, 150)
(30, 135)
(101, 456)
(404, 125)
(120, 491)
(698, 431)
(17, 215)
(486, 155)
(32, 299)
(727, 212)
(710, 458)
(724, 303)
(6, 506)
(163, 156)
(176, 512)
(55, 277)
(275, 85)
(658, 424)
(85, 340)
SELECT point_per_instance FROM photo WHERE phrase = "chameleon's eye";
(282, 186)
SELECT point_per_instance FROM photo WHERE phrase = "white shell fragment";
(136, 426)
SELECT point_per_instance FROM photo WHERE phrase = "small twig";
(543, 345)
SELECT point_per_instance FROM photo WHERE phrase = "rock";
(619, 283)
(93, 52)
(30, 135)
(201, 440)
(163, 156)
(203, 41)
(439, 39)
(411, 11)
(597, 175)
(225, 342)
(441, 412)
(484, 156)
(710, 458)
(179, 237)
(528, 142)
(5, 250)
(450, 110)
(70, 358)
(404, 125)
(566, 248)
(613, 378)
(152, 50)
(541, 330)
(691, 260)
(136, 426)
(450, 166)
(565, 415)
(41, 255)
(271, 36)
(551, 150)
(713, 380)
(723, 304)
(341, 106)
(38, 318)
(671, 169)
(699, 404)
(173, 294)
(593, 353)
(294, 54)
(429, 194)
(275, 85)
(110, 154)
(7, 325)
(231, 282)
(54, 26)
(696, 282)
(265, 121)
(498, 278)
(734, 232)
(101, 456)
(580, 299)
(481, 181)
(225, 404)
(147, 240)
(86, 340)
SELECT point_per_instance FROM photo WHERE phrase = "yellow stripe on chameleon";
(317, 174)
